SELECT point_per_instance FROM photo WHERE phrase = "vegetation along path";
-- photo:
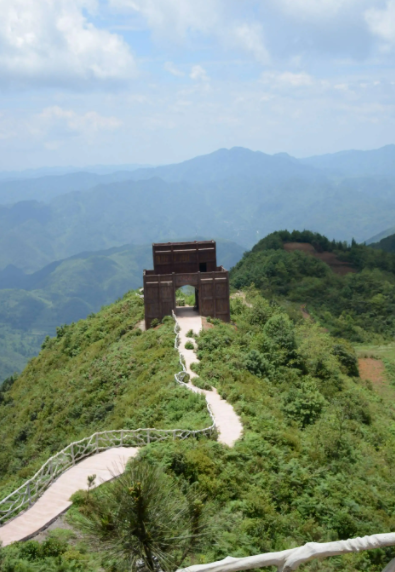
(110, 463)
(226, 420)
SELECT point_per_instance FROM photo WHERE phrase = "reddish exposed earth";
(372, 370)
(206, 325)
(338, 266)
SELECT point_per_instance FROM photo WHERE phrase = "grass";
(100, 373)
(316, 460)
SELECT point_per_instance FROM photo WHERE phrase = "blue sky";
(156, 81)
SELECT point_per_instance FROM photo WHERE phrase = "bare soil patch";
(206, 325)
(305, 313)
(338, 266)
(373, 370)
(60, 522)
(303, 246)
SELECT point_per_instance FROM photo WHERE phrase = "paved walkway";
(111, 463)
(226, 419)
(56, 499)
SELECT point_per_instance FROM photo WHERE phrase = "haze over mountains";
(236, 194)
(378, 162)
(73, 241)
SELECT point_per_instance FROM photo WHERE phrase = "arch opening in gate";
(188, 297)
(186, 264)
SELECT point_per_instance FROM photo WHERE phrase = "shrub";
(53, 546)
(303, 404)
(145, 519)
(31, 550)
(201, 383)
(280, 329)
(257, 364)
(346, 355)
(189, 346)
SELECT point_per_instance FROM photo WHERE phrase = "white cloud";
(7, 127)
(198, 73)
(287, 79)
(250, 38)
(176, 19)
(89, 123)
(171, 68)
(295, 79)
(382, 22)
(319, 9)
(51, 42)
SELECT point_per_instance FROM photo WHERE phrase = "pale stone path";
(56, 499)
(111, 463)
(226, 419)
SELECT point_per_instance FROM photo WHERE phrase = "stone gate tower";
(178, 264)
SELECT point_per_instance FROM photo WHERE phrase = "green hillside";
(316, 459)
(380, 236)
(33, 305)
(359, 306)
(100, 373)
(387, 244)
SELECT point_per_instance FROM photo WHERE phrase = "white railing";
(288, 560)
(285, 561)
(28, 493)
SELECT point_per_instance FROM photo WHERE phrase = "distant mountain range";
(237, 194)
(53, 171)
(45, 188)
(62, 233)
(376, 163)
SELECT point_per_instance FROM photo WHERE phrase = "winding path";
(227, 421)
(111, 463)
(56, 499)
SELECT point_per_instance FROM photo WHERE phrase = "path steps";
(227, 421)
(56, 499)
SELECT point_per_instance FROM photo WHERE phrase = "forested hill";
(315, 462)
(387, 244)
(99, 373)
(349, 289)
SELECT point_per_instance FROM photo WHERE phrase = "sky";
(88, 82)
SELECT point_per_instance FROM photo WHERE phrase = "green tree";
(143, 519)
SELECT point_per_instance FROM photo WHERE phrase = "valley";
(197, 286)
